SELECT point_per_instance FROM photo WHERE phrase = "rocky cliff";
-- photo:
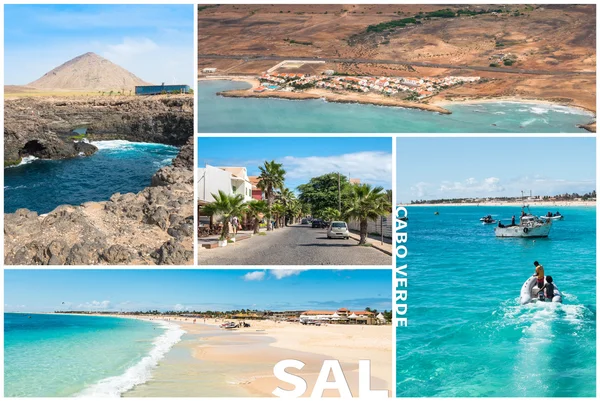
(153, 226)
(43, 127)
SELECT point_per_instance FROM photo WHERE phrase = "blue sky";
(127, 290)
(154, 42)
(369, 159)
(433, 168)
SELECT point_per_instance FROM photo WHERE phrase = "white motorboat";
(529, 227)
(555, 217)
(530, 292)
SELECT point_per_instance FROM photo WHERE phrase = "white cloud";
(420, 189)
(179, 307)
(488, 186)
(283, 273)
(254, 276)
(494, 186)
(373, 167)
(129, 48)
(95, 305)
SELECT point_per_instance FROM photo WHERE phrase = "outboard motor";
(541, 296)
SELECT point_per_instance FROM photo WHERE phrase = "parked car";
(304, 221)
(338, 229)
(318, 223)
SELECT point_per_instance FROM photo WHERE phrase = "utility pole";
(339, 193)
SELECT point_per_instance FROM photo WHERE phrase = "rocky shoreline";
(43, 127)
(153, 226)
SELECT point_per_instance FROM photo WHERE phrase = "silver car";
(338, 229)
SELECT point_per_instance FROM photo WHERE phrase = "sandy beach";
(511, 204)
(210, 361)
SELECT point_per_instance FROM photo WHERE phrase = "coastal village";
(410, 88)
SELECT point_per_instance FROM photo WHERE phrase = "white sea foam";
(119, 144)
(25, 160)
(142, 371)
(113, 145)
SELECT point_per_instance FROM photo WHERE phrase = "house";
(257, 193)
(340, 316)
(240, 182)
(230, 180)
(209, 70)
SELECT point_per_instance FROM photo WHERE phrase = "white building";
(341, 315)
(209, 70)
(230, 180)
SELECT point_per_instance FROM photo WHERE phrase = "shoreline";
(513, 99)
(141, 371)
(507, 204)
(242, 360)
(316, 94)
(206, 359)
(436, 106)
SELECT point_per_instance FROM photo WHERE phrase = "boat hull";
(523, 232)
(529, 292)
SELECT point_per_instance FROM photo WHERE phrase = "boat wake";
(140, 372)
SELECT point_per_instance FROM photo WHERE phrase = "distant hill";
(88, 72)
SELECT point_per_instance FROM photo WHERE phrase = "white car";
(338, 229)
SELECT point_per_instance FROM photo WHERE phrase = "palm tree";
(367, 203)
(286, 196)
(255, 209)
(271, 178)
(279, 212)
(227, 206)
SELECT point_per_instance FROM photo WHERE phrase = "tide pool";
(117, 166)
(253, 115)
(49, 355)
(468, 336)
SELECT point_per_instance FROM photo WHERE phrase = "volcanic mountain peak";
(88, 71)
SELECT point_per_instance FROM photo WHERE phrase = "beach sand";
(210, 361)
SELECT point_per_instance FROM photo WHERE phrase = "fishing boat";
(530, 292)
(529, 226)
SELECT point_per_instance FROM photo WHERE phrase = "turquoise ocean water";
(117, 166)
(65, 355)
(468, 335)
(252, 115)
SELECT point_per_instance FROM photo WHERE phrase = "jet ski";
(530, 292)
(488, 221)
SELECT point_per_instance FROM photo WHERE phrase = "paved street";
(294, 245)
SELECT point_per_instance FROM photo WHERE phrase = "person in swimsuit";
(539, 272)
